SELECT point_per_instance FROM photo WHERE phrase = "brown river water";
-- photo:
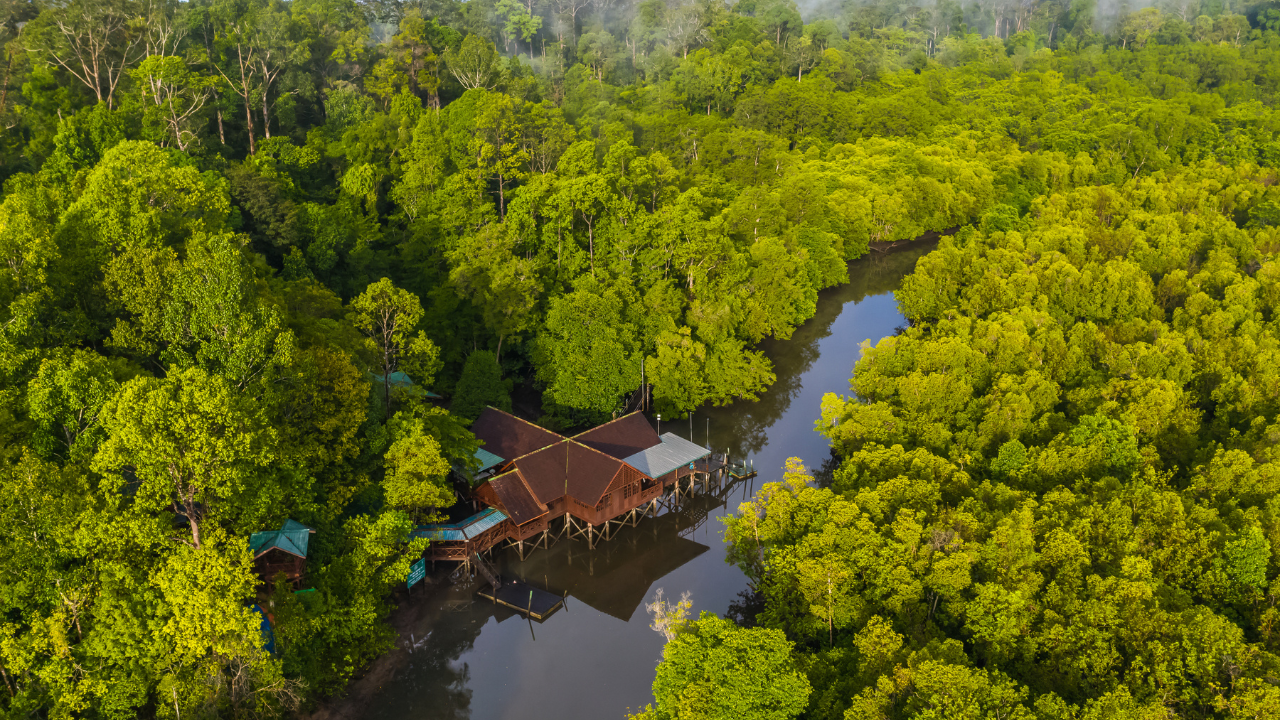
(462, 657)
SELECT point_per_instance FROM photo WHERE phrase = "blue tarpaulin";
(268, 637)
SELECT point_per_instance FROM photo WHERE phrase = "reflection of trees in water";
(746, 607)
(430, 683)
(614, 578)
(823, 475)
(448, 686)
(746, 424)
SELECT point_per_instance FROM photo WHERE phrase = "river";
(595, 659)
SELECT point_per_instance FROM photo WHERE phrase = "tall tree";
(502, 284)
(236, 49)
(388, 316)
(94, 41)
(174, 96)
(474, 64)
(714, 669)
(194, 447)
(417, 475)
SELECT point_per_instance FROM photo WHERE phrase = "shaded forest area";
(227, 226)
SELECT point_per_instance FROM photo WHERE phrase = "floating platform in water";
(742, 472)
(537, 604)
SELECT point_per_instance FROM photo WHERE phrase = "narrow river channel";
(595, 660)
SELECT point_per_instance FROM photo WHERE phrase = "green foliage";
(221, 221)
(1072, 428)
(587, 352)
(714, 669)
(66, 397)
(190, 438)
(387, 316)
(481, 385)
(1012, 456)
(417, 475)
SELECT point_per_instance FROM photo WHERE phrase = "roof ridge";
(607, 424)
(535, 452)
(588, 447)
(682, 439)
(526, 422)
(529, 488)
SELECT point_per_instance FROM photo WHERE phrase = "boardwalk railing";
(590, 522)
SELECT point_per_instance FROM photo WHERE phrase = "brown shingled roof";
(590, 472)
(568, 468)
(520, 504)
(509, 437)
(621, 438)
(545, 472)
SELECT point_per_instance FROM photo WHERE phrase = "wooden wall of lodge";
(629, 489)
(276, 561)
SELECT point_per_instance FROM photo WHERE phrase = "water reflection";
(596, 657)
(750, 424)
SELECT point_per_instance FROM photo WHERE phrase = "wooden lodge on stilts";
(538, 486)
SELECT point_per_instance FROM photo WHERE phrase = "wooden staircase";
(486, 570)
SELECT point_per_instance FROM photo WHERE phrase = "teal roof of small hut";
(402, 380)
(292, 537)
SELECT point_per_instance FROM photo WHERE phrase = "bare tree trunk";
(248, 118)
(217, 96)
(4, 93)
(502, 199)
(591, 244)
(248, 109)
(189, 506)
(266, 116)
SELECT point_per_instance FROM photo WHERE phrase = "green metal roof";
(402, 380)
(468, 529)
(292, 538)
(487, 459)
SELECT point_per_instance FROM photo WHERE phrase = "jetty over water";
(537, 486)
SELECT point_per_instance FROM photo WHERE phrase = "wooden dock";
(524, 598)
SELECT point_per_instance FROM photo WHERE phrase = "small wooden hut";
(281, 551)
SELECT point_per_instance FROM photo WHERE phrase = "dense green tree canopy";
(714, 669)
(241, 241)
(1054, 497)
